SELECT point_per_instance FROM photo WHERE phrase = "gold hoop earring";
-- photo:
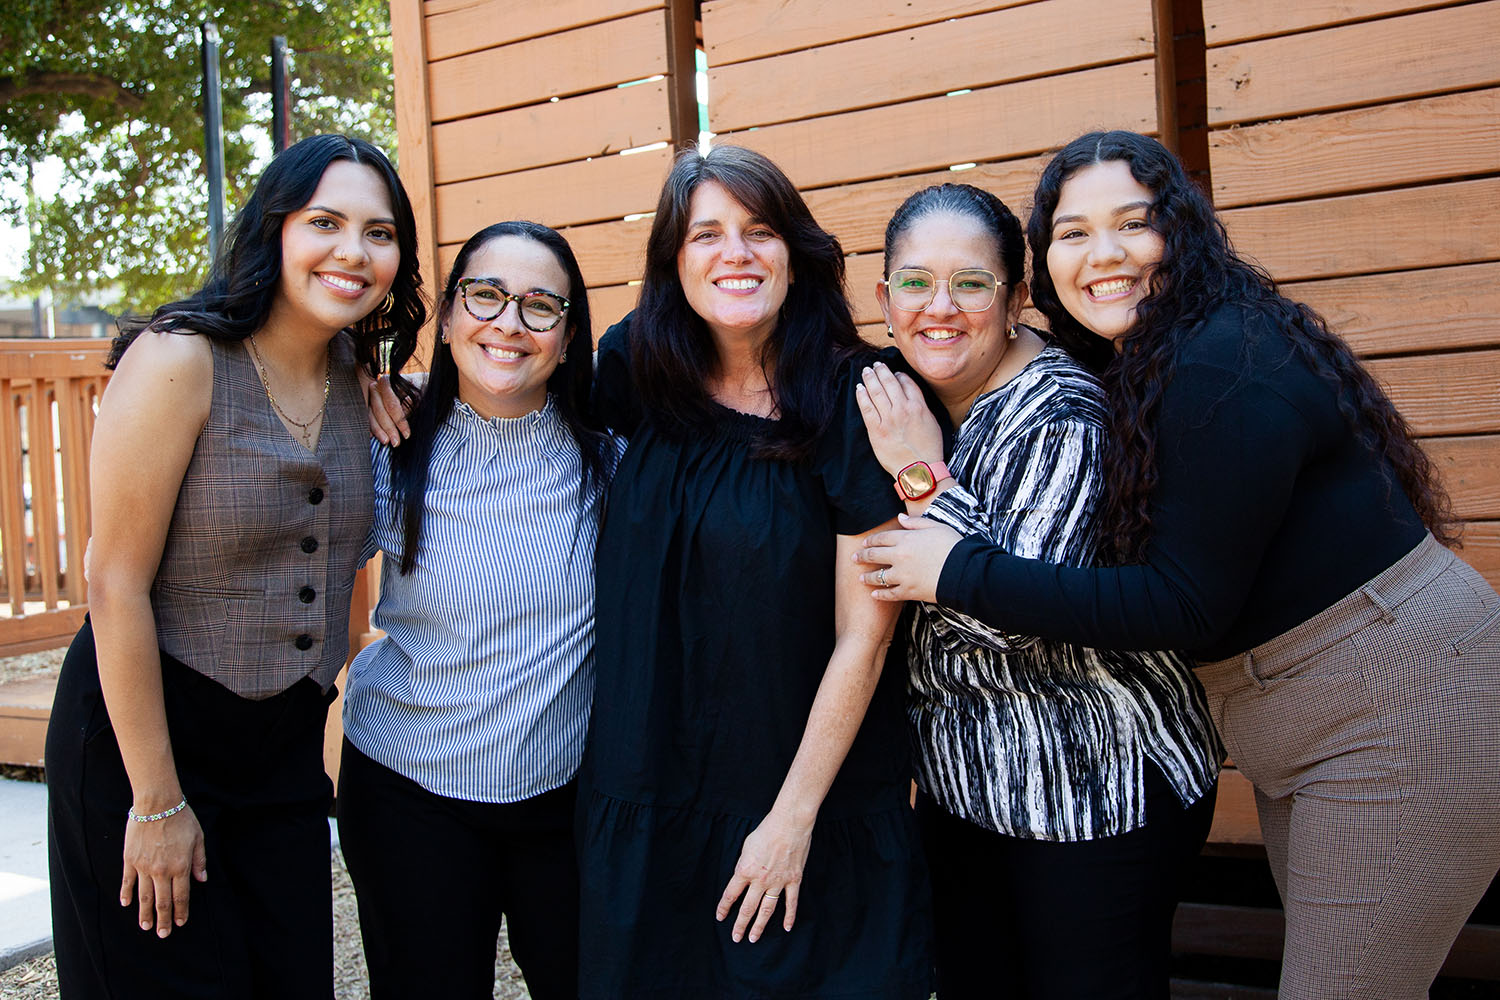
(388, 304)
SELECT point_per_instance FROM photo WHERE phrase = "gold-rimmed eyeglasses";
(972, 289)
(486, 298)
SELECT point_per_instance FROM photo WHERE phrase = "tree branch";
(83, 84)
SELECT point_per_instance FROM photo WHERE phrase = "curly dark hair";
(672, 354)
(1200, 272)
(236, 300)
(568, 384)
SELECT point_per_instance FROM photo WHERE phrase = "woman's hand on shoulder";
(902, 429)
(768, 872)
(162, 860)
(387, 412)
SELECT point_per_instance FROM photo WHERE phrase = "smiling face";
(734, 268)
(955, 352)
(503, 367)
(1103, 248)
(338, 252)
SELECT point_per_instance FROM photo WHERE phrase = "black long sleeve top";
(1267, 510)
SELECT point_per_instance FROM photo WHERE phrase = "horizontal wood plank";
(1428, 310)
(1444, 393)
(609, 304)
(1415, 55)
(1431, 226)
(593, 190)
(1410, 142)
(1228, 21)
(862, 271)
(734, 30)
(857, 213)
(458, 26)
(610, 253)
(1470, 467)
(999, 47)
(995, 123)
(1481, 549)
(542, 134)
(571, 62)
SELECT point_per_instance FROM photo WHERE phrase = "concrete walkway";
(25, 916)
(25, 911)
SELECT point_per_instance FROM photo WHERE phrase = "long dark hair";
(974, 203)
(672, 354)
(242, 284)
(568, 384)
(1199, 272)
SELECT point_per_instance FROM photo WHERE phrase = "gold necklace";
(304, 428)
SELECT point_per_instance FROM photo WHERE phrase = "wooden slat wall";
(511, 109)
(862, 104)
(1355, 152)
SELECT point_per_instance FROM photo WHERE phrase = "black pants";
(1090, 920)
(262, 925)
(434, 875)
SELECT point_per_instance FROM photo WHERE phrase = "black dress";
(715, 625)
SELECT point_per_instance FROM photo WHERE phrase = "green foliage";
(112, 91)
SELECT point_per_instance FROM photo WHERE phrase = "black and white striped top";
(1032, 738)
(481, 688)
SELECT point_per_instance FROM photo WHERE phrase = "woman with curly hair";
(1270, 513)
(231, 497)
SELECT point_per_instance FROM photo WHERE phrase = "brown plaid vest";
(254, 584)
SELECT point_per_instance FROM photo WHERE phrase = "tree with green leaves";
(109, 91)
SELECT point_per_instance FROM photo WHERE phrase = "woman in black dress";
(746, 760)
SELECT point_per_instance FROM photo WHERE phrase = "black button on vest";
(306, 595)
(309, 545)
(315, 495)
(304, 642)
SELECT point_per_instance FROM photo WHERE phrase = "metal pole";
(213, 138)
(280, 96)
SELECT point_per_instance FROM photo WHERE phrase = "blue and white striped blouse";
(481, 688)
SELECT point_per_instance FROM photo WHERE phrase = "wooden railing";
(49, 394)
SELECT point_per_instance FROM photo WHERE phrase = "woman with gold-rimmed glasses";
(1061, 788)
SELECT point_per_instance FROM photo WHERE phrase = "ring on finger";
(773, 895)
(880, 577)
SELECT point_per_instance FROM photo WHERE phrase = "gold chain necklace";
(304, 427)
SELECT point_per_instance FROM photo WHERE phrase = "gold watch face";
(916, 481)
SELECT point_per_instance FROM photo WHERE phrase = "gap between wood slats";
(735, 30)
(1429, 226)
(857, 213)
(998, 47)
(458, 26)
(595, 190)
(1425, 140)
(994, 123)
(1228, 21)
(561, 65)
(1470, 467)
(1393, 59)
(1444, 393)
(1434, 309)
(543, 134)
